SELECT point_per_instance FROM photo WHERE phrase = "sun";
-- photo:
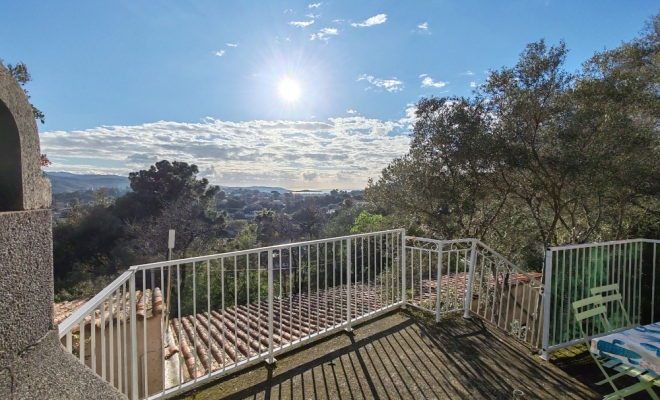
(289, 89)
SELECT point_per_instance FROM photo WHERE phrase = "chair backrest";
(591, 307)
(610, 294)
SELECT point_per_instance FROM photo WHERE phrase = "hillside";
(66, 182)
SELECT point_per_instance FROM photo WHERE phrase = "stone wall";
(33, 363)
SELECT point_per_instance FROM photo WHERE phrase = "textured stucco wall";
(46, 371)
(26, 280)
(33, 363)
(36, 188)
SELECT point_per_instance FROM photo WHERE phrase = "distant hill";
(66, 182)
(266, 189)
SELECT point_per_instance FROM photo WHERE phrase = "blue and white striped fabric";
(639, 346)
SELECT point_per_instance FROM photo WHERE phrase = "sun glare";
(289, 89)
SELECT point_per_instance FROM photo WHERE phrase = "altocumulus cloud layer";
(339, 152)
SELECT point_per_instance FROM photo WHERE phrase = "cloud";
(339, 21)
(428, 81)
(467, 73)
(375, 20)
(391, 85)
(239, 153)
(301, 24)
(323, 33)
(473, 84)
(232, 44)
(310, 15)
(409, 120)
(424, 26)
(310, 176)
(219, 53)
(351, 111)
(317, 5)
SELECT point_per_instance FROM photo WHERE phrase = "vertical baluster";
(182, 362)
(348, 279)
(145, 349)
(208, 309)
(270, 307)
(92, 344)
(103, 340)
(81, 341)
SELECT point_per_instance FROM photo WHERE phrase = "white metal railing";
(224, 312)
(570, 273)
(161, 329)
(467, 276)
(108, 349)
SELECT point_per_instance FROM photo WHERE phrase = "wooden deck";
(404, 354)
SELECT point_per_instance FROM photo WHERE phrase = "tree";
(196, 224)
(22, 76)
(538, 156)
(308, 220)
(164, 182)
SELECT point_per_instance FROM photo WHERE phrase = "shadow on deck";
(404, 355)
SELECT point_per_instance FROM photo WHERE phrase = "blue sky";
(125, 83)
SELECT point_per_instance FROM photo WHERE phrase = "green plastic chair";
(592, 310)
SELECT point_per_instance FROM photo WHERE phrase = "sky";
(295, 94)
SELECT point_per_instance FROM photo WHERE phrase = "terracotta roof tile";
(154, 303)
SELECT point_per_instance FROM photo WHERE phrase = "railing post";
(349, 271)
(468, 291)
(134, 356)
(403, 269)
(438, 277)
(546, 304)
(270, 359)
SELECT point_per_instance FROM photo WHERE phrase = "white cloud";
(428, 81)
(351, 111)
(323, 33)
(288, 10)
(422, 75)
(310, 15)
(467, 73)
(375, 20)
(473, 84)
(317, 5)
(232, 44)
(391, 85)
(342, 152)
(339, 21)
(301, 24)
(424, 26)
(219, 53)
(409, 120)
(310, 176)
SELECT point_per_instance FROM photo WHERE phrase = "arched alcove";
(11, 184)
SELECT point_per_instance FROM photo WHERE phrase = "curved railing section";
(465, 275)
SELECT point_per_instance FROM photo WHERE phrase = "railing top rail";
(483, 245)
(597, 244)
(509, 263)
(97, 300)
(453, 241)
(257, 250)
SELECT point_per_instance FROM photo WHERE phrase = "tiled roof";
(241, 332)
(154, 302)
(453, 286)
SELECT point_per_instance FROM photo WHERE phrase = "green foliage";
(367, 222)
(103, 238)
(539, 156)
(22, 76)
